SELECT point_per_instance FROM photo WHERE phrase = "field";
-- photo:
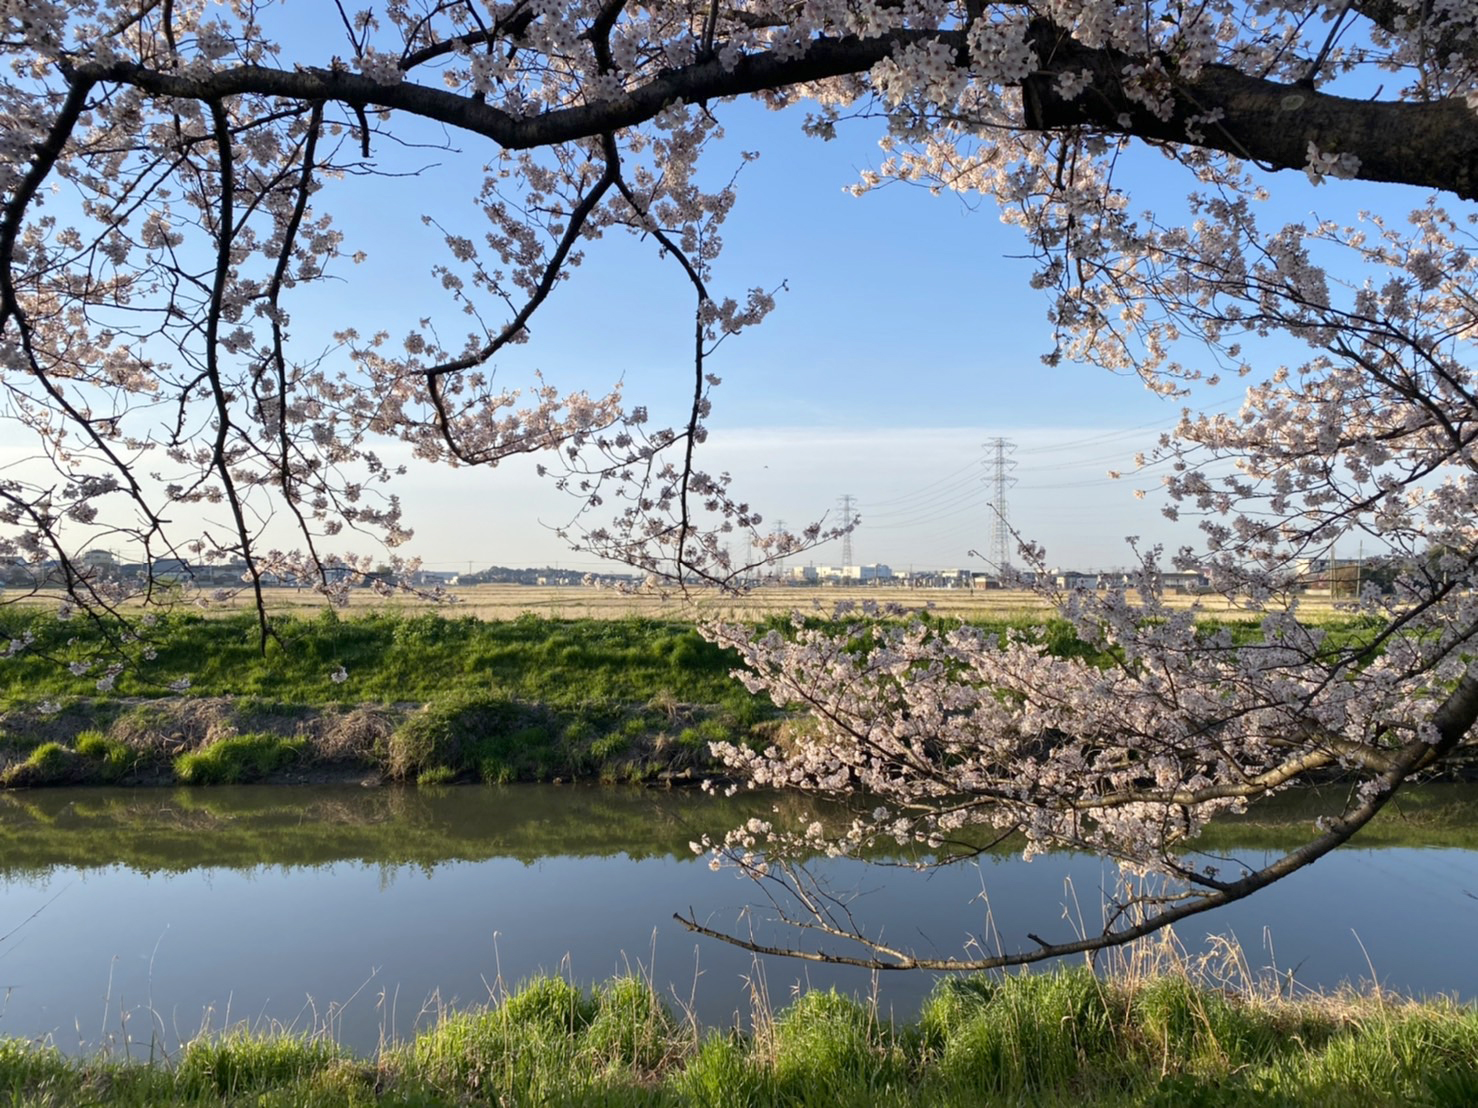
(501, 602)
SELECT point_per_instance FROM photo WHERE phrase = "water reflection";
(135, 915)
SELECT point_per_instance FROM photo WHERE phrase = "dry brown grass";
(499, 602)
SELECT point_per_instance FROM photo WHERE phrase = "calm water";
(137, 916)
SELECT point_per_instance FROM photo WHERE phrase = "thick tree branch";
(1429, 145)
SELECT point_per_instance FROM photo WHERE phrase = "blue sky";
(907, 338)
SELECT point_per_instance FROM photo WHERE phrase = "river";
(138, 917)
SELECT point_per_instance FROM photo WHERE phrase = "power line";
(910, 497)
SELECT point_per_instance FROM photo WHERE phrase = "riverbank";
(461, 736)
(382, 697)
(428, 698)
(1058, 1038)
(385, 697)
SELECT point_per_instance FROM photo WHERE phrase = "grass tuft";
(828, 1049)
(487, 736)
(238, 760)
(114, 759)
(632, 1029)
(51, 763)
(234, 1064)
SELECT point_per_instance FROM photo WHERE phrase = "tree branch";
(1429, 145)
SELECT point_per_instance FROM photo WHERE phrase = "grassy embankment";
(423, 698)
(1061, 1038)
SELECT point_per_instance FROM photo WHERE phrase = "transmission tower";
(779, 562)
(847, 506)
(1001, 464)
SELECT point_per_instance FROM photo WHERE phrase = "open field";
(500, 602)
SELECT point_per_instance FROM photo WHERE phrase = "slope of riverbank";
(383, 697)
(426, 698)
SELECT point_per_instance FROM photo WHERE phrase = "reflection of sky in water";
(106, 948)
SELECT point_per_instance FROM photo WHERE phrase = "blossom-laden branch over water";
(168, 174)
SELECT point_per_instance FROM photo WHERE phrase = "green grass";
(385, 658)
(395, 658)
(1062, 1038)
(459, 699)
(488, 736)
(235, 761)
(51, 763)
(455, 699)
(114, 759)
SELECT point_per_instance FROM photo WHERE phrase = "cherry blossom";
(168, 180)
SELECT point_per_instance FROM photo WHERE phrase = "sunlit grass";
(383, 657)
(1063, 1037)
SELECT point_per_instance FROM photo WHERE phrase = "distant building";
(1073, 579)
(1184, 580)
(942, 579)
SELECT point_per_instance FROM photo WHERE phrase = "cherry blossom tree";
(168, 175)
